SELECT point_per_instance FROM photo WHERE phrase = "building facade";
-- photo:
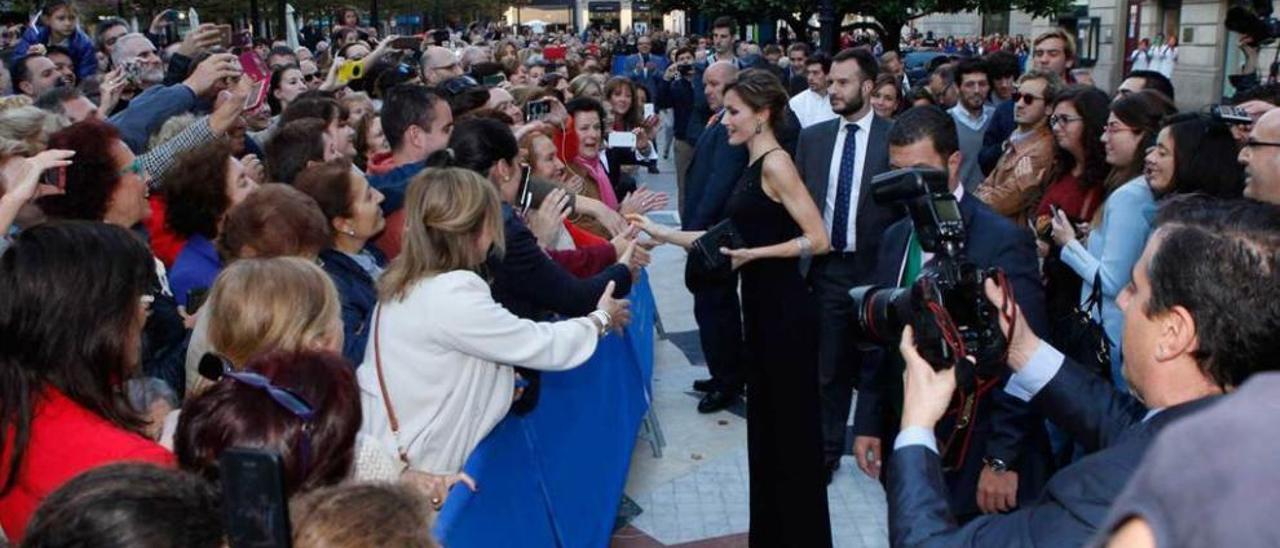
(1207, 52)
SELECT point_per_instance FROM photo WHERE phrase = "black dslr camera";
(946, 306)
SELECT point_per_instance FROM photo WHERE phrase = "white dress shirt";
(811, 108)
(863, 137)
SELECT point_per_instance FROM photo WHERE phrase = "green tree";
(890, 15)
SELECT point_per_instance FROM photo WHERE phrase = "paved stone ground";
(696, 494)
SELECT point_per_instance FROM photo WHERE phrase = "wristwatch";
(996, 464)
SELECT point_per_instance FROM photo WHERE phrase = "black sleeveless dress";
(784, 423)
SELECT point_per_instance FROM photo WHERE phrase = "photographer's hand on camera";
(926, 391)
(211, 72)
(113, 84)
(1022, 342)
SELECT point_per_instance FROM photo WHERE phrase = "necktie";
(915, 261)
(844, 188)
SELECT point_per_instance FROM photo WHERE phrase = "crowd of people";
(360, 254)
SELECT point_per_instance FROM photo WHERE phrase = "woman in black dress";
(780, 224)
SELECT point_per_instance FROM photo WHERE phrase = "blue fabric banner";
(555, 476)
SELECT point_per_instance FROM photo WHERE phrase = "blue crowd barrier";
(555, 476)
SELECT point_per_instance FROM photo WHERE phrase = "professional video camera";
(1253, 18)
(946, 306)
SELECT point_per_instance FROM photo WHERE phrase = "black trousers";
(718, 312)
(839, 359)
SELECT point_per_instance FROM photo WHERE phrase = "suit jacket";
(633, 66)
(713, 173)
(1006, 427)
(795, 80)
(814, 152)
(1074, 502)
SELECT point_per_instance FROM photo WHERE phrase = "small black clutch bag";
(707, 247)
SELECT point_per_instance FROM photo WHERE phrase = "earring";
(349, 232)
(759, 127)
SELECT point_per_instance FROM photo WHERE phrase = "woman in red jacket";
(75, 300)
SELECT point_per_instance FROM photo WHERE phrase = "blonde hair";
(25, 130)
(358, 515)
(282, 303)
(446, 209)
(1068, 41)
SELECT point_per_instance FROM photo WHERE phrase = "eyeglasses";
(1116, 127)
(1026, 98)
(1252, 143)
(216, 368)
(1063, 119)
(134, 168)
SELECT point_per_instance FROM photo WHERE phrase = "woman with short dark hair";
(204, 184)
(72, 311)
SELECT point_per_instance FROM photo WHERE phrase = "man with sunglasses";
(1260, 155)
(311, 75)
(1013, 187)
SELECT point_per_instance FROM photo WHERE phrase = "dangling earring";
(759, 127)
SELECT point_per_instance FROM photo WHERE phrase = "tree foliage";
(891, 15)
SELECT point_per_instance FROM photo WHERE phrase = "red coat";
(66, 439)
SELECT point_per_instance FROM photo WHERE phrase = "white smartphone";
(648, 110)
(622, 139)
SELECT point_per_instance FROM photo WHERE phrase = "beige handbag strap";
(382, 384)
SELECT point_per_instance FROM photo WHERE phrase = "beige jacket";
(1016, 184)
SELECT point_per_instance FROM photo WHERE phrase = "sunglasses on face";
(218, 368)
(1026, 98)
(313, 77)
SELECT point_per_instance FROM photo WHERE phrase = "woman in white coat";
(437, 374)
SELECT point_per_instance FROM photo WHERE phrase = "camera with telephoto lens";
(946, 306)
(1253, 18)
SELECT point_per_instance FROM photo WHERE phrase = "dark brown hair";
(330, 185)
(233, 414)
(68, 312)
(196, 191)
(274, 220)
(292, 147)
(760, 90)
(93, 176)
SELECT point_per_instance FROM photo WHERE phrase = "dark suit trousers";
(719, 316)
(839, 359)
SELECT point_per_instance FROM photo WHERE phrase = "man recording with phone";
(998, 455)
(1199, 319)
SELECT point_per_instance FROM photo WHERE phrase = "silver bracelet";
(602, 318)
(806, 247)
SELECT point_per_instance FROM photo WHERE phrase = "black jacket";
(1005, 427)
(1075, 501)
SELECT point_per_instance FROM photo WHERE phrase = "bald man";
(1260, 155)
(710, 179)
(439, 64)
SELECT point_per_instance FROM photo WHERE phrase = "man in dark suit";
(1199, 319)
(645, 68)
(837, 159)
(794, 77)
(713, 172)
(1001, 454)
